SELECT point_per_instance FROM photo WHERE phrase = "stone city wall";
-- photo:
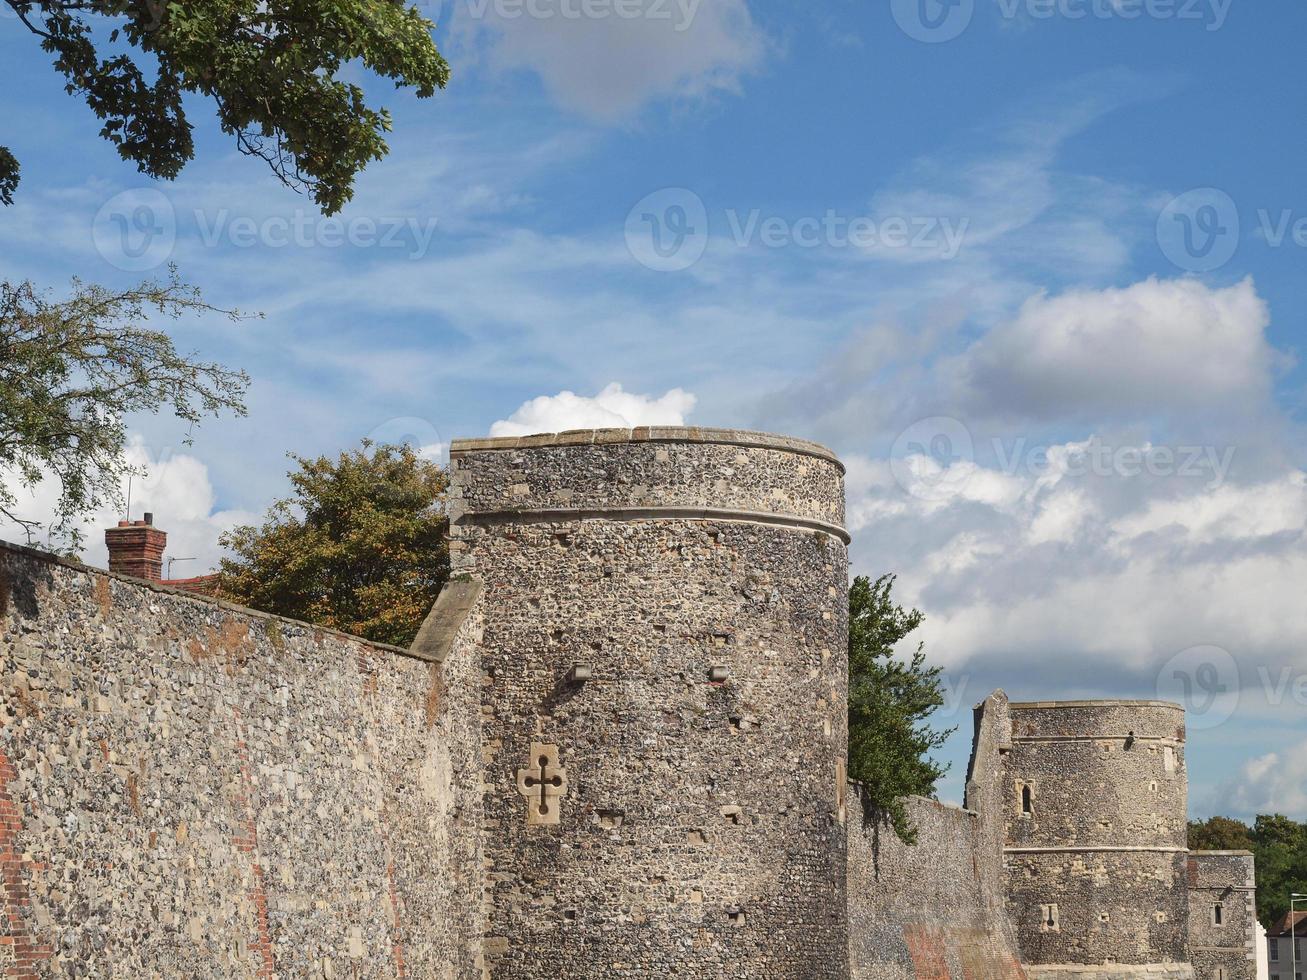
(929, 911)
(189, 789)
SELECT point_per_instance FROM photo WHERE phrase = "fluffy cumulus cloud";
(1079, 556)
(1272, 783)
(612, 408)
(1154, 346)
(174, 487)
(607, 58)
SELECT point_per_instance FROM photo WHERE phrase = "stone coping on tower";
(647, 474)
(687, 434)
(1204, 853)
(1109, 703)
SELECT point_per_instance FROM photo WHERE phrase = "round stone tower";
(664, 701)
(1096, 838)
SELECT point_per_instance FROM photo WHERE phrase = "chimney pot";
(149, 518)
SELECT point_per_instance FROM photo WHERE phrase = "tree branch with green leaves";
(73, 370)
(272, 70)
(890, 702)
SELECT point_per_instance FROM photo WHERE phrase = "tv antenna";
(171, 560)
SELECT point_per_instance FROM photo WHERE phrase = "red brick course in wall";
(247, 842)
(926, 946)
(398, 944)
(19, 951)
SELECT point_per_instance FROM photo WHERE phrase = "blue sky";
(1034, 269)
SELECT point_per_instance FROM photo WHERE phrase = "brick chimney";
(136, 548)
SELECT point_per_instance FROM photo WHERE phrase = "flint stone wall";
(1226, 950)
(189, 789)
(699, 831)
(932, 911)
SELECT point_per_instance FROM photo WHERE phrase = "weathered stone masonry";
(1095, 795)
(188, 789)
(1222, 915)
(665, 673)
(616, 749)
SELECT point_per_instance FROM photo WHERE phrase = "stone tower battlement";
(665, 661)
(1095, 794)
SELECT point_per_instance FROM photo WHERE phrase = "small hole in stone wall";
(569, 915)
(1104, 917)
(736, 917)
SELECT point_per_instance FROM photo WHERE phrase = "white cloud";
(1268, 784)
(1155, 346)
(1063, 563)
(612, 408)
(175, 488)
(623, 54)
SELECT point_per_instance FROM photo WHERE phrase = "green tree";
(272, 70)
(1219, 834)
(890, 702)
(1281, 849)
(360, 546)
(72, 370)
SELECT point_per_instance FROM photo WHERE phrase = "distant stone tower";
(664, 701)
(1095, 848)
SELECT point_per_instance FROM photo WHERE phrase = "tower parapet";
(665, 660)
